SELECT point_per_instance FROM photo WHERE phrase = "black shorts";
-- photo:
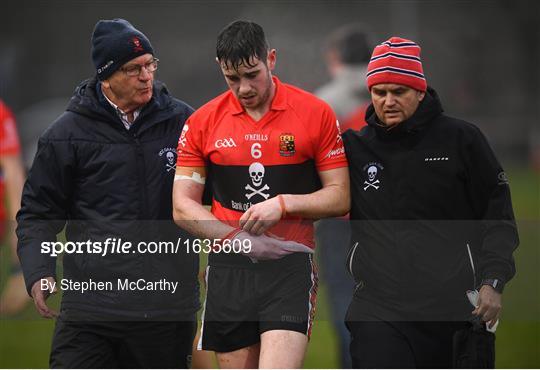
(243, 300)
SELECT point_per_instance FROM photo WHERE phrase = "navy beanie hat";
(115, 42)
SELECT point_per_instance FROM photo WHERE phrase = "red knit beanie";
(396, 61)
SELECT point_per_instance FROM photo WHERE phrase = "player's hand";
(261, 216)
(264, 247)
(40, 296)
(489, 305)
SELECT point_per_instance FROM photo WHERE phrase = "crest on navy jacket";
(372, 171)
(169, 158)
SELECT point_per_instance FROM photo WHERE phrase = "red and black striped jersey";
(250, 161)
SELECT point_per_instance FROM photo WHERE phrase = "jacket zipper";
(351, 257)
(472, 265)
(139, 153)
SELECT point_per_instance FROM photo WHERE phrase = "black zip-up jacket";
(102, 181)
(431, 215)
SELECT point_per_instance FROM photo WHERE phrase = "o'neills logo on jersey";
(286, 145)
(225, 143)
(256, 137)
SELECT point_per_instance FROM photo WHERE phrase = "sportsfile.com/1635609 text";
(118, 246)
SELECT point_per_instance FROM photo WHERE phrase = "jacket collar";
(429, 108)
(89, 101)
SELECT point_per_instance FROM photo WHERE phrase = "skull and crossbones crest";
(339, 138)
(182, 140)
(256, 173)
(168, 156)
(371, 182)
(136, 44)
(170, 165)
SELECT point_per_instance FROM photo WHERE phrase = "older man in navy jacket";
(104, 170)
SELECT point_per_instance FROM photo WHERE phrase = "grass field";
(25, 339)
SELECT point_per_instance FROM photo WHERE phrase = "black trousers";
(380, 344)
(122, 344)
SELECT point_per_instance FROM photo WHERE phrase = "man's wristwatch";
(494, 283)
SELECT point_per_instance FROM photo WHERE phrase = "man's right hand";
(40, 296)
(264, 247)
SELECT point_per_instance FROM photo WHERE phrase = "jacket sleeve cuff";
(31, 280)
(494, 282)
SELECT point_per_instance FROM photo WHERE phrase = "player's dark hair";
(352, 44)
(239, 42)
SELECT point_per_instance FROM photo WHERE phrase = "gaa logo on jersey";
(286, 145)
(225, 143)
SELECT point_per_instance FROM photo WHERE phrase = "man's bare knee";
(244, 358)
(282, 349)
